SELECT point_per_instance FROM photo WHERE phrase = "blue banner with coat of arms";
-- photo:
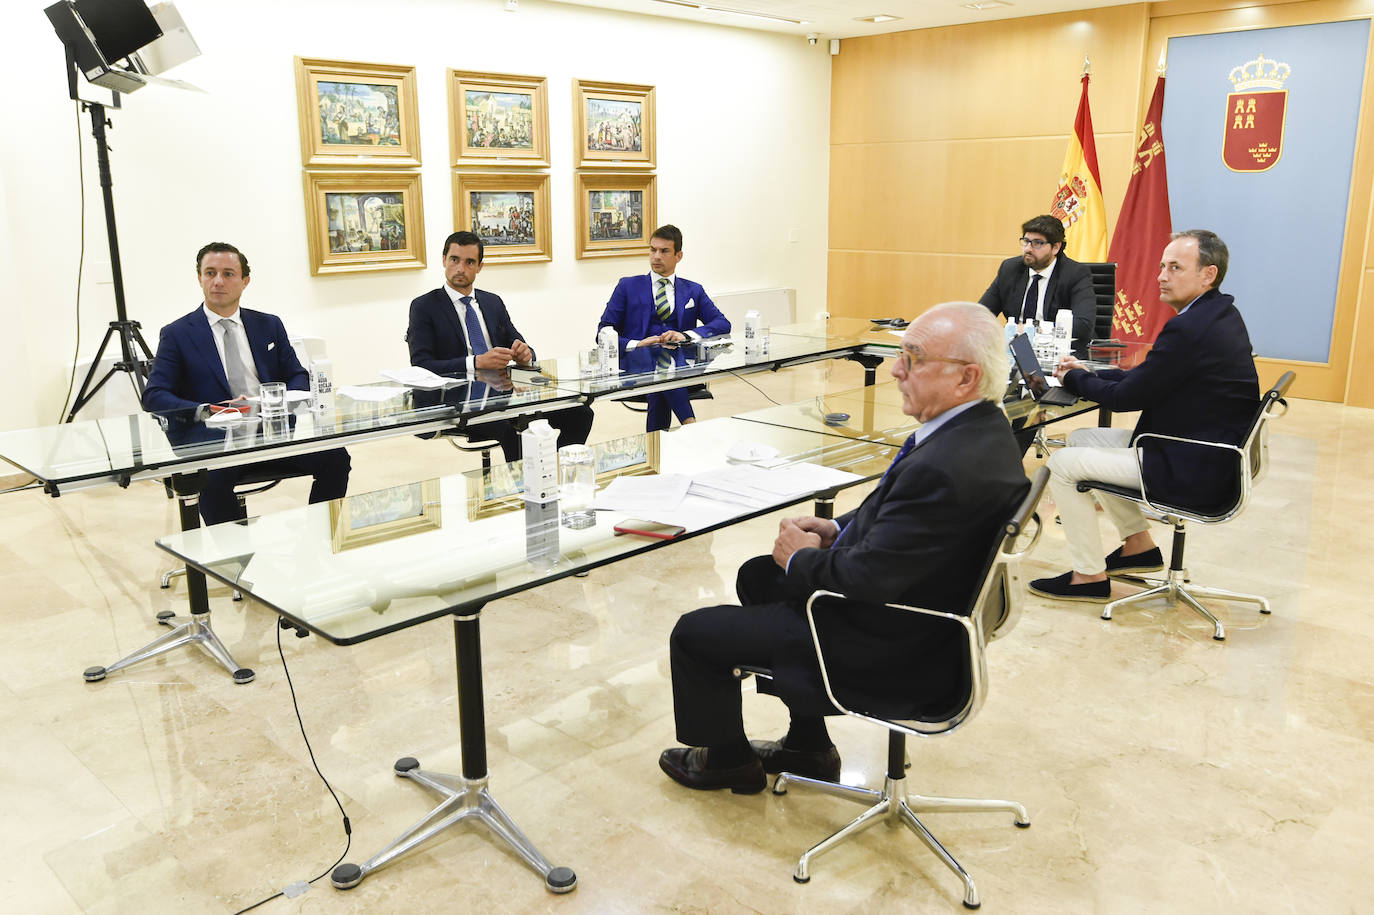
(1261, 127)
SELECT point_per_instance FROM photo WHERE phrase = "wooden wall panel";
(875, 284)
(1007, 78)
(965, 196)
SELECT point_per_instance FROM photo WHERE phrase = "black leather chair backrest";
(1104, 290)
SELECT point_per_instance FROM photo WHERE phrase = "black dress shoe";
(1058, 588)
(687, 766)
(821, 764)
(1149, 561)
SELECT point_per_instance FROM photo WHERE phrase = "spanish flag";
(1078, 199)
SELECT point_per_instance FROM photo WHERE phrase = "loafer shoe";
(1058, 588)
(687, 767)
(1148, 561)
(821, 764)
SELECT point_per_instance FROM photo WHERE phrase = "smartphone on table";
(656, 529)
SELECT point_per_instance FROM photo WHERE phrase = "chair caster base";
(93, 674)
(244, 675)
(975, 905)
(796, 879)
(165, 617)
(1025, 825)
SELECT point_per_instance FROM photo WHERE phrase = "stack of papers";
(757, 487)
(372, 393)
(646, 496)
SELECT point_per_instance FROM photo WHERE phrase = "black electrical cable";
(348, 827)
(752, 385)
(80, 263)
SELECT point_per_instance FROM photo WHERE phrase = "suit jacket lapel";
(203, 339)
(679, 302)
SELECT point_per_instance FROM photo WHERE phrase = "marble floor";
(1164, 772)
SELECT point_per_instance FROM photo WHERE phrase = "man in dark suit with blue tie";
(1198, 381)
(1043, 281)
(459, 330)
(921, 538)
(660, 308)
(220, 354)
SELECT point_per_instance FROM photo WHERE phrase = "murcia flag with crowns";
(1254, 115)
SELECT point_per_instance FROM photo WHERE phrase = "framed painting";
(364, 221)
(372, 517)
(356, 114)
(497, 119)
(629, 456)
(613, 125)
(509, 212)
(615, 214)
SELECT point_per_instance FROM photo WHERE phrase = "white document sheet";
(647, 496)
(755, 487)
(413, 376)
(372, 393)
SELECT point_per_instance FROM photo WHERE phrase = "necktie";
(477, 341)
(664, 311)
(1028, 308)
(235, 370)
(907, 447)
(661, 306)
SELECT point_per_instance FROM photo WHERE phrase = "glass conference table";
(375, 563)
(177, 445)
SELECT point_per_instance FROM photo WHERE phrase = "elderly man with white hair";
(920, 538)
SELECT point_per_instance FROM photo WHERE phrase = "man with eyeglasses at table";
(919, 538)
(1043, 280)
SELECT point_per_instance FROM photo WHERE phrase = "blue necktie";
(907, 447)
(1032, 303)
(476, 340)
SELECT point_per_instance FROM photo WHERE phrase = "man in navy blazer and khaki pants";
(1198, 381)
(201, 361)
(660, 308)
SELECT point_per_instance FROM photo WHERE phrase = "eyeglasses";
(910, 359)
(1033, 242)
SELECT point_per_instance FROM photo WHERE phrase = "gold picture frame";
(616, 213)
(364, 221)
(357, 114)
(613, 125)
(497, 489)
(498, 119)
(510, 212)
(385, 514)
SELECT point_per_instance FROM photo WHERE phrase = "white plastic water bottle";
(322, 386)
(608, 344)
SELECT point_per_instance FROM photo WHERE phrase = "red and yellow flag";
(1078, 201)
(1142, 231)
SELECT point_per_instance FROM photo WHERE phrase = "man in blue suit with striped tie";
(660, 308)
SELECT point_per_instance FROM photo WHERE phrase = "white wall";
(743, 132)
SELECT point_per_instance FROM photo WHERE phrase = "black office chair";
(991, 614)
(1252, 458)
(1104, 291)
(638, 403)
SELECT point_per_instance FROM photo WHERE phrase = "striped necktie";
(907, 447)
(661, 306)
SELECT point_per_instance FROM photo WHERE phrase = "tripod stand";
(135, 354)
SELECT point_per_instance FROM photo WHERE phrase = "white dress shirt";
(671, 290)
(1044, 284)
(218, 329)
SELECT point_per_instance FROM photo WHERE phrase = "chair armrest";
(917, 728)
(1242, 457)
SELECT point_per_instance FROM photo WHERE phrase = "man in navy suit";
(1198, 381)
(1044, 280)
(921, 537)
(201, 364)
(459, 330)
(651, 311)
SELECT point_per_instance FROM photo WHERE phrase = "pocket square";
(691, 303)
(271, 346)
